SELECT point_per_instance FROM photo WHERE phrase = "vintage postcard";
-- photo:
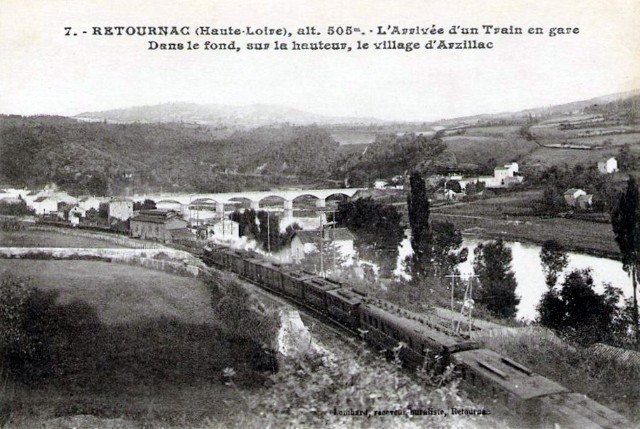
(304, 214)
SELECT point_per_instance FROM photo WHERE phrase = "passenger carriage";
(388, 325)
(512, 385)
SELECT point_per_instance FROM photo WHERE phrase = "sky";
(42, 71)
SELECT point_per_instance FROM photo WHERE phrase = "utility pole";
(453, 278)
(321, 239)
(467, 303)
(268, 232)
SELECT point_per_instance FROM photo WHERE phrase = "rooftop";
(154, 216)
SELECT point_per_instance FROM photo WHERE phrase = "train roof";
(301, 275)
(212, 247)
(578, 408)
(346, 295)
(424, 319)
(270, 264)
(322, 283)
(510, 375)
(412, 324)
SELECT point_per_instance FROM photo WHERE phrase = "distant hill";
(558, 109)
(255, 115)
(104, 158)
(191, 147)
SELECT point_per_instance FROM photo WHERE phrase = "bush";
(26, 329)
(14, 296)
(241, 315)
(11, 225)
(320, 391)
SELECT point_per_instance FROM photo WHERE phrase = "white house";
(77, 212)
(503, 177)
(303, 242)
(609, 166)
(448, 195)
(63, 197)
(571, 196)
(14, 193)
(380, 184)
(44, 205)
(584, 202)
(88, 203)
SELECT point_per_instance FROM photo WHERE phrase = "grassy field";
(571, 157)
(30, 238)
(478, 145)
(505, 217)
(132, 343)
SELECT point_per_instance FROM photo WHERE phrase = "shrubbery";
(319, 391)
(28, 324)
(242, 316)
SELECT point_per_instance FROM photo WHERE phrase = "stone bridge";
(187, 201)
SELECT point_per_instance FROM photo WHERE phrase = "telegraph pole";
(321, 239)
(467, 304)
(453, 278)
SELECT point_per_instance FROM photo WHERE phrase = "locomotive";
(512, 386)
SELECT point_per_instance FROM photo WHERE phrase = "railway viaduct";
(187, 201)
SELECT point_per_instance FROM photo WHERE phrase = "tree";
(247, 225)
(147, 204)
(492, 265)
(554, 260)
(418, 206)
(269, 231)
(446, 240)
(578, 311)
(552, 200)
(625, 220)
(330, 260)
(377, 228)
(627, 161)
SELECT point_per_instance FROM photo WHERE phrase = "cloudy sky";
(44, 71)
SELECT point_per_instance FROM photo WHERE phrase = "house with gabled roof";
(44, 205)
(571, 196)
(156, 225)
(609, 166)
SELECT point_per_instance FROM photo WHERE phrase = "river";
(530, 277)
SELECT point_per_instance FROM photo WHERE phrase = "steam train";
(512, 386)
